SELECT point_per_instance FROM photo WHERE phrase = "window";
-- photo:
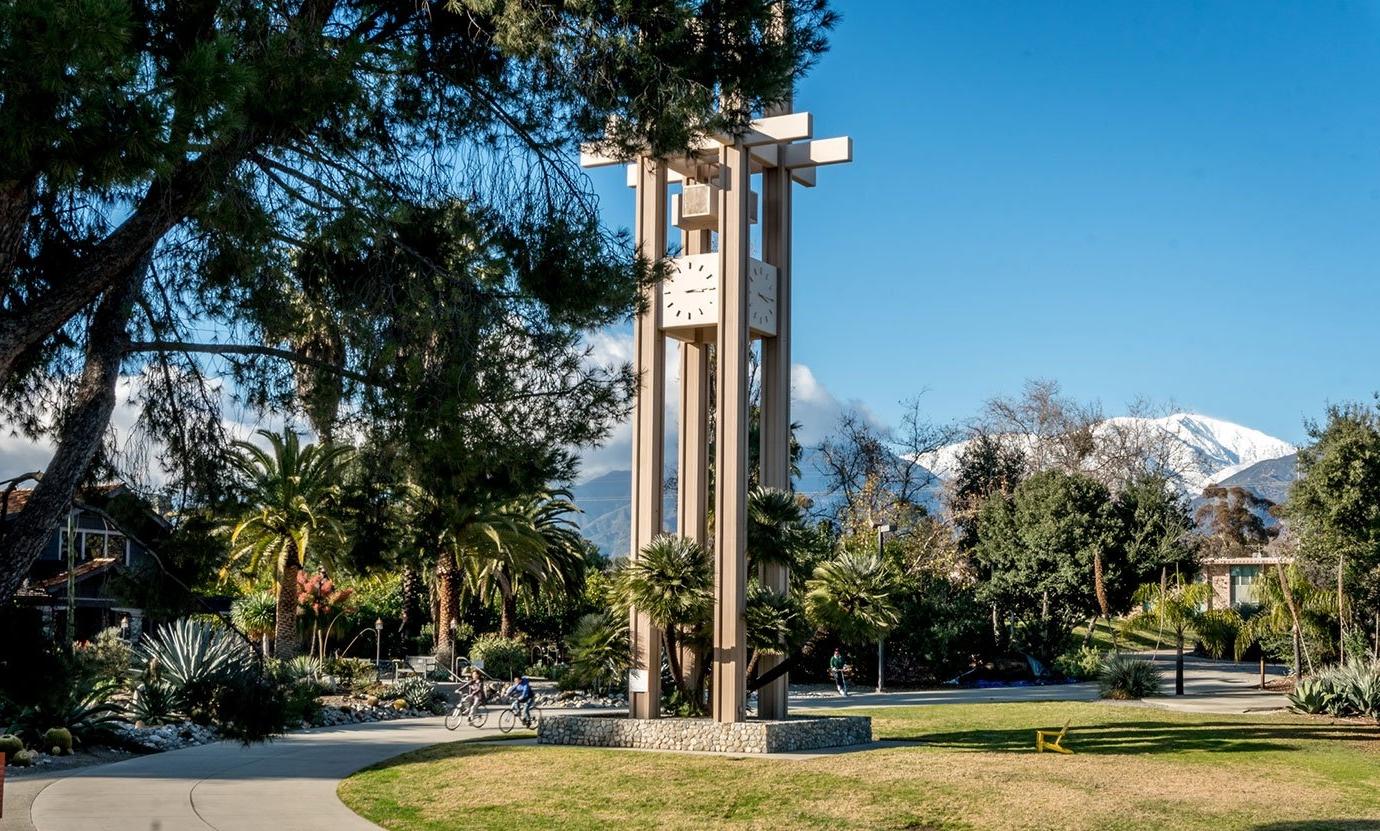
(1243, 584)
(94, 544)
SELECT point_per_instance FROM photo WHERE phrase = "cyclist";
(473, 692)
(521, 693)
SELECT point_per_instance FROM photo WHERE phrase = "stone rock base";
(792, 734)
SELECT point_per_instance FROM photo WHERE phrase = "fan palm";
(773, 622)
(290, 492)
(1278, 592)
(853, 596)
(776, 533)
(457, 539)
(541, 548)
(1174, 606)
(672, 583)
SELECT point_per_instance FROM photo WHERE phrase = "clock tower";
(717, 295)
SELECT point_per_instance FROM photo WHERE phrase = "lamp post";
(882, 530)
(378, 641)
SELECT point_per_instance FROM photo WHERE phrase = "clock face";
(690, 297)
(762, 297)
(687, 299)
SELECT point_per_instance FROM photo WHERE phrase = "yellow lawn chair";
(1050, 740)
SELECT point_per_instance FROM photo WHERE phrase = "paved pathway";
(290, 783)
(1209, 687)
(285, 784)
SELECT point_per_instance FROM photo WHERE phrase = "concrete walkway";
(1222, 687)
(285, 784)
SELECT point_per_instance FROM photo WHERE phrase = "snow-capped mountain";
(1198, 450)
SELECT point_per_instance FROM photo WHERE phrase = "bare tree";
(877, 472)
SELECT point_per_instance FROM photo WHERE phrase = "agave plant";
(188, 654)
(81, 709)
(1125, 677)
(153, 703)
(1312, 696)
(300, 670)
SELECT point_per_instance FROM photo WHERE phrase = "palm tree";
(672, 583)
(773, 621)
(1176, 607)
(1290, 604)
(290, 492)
(776, 532)
(543, 549)
(456, 539)
(852, 596)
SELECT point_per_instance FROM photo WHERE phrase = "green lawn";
(1131, 640)
(963, 767)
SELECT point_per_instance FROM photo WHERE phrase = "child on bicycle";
(473, 692)
(521, 693)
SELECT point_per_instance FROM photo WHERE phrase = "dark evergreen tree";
(362, 209)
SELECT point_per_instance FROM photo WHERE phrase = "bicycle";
(462, 713)
(509, 718)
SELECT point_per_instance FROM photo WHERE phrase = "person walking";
(836, 668)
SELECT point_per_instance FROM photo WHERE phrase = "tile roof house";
(100, 549)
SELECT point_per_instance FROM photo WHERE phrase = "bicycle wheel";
(535, 721)
(481, 715)
(507, 720)
(455, 717)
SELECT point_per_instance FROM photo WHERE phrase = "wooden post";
(730, 447)
(775, 432)
(692, 469)
(649, 407)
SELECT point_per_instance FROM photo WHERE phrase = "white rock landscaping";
(790, 735)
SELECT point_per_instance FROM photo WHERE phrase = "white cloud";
(19, 454)
(813, 406)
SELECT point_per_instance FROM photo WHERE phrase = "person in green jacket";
(836, 667)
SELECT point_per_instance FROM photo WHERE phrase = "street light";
(882, 530)
(378, 641)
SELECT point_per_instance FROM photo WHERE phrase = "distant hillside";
(607, 504)
(1209, 451)
(1270, 479)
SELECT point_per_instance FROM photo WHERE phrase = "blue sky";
(1178, 200)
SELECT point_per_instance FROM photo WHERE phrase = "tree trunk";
(1298, 648)
(285, 620)
(673, 658)
(1179, 662)
(507, 622)
(80, 436)
(267, 642)
(447, 607)
(700, 671)
(411, 602)
(117, 256)
(1298, 625)
(1341, 610)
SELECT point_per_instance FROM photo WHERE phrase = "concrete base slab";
(701, 734)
